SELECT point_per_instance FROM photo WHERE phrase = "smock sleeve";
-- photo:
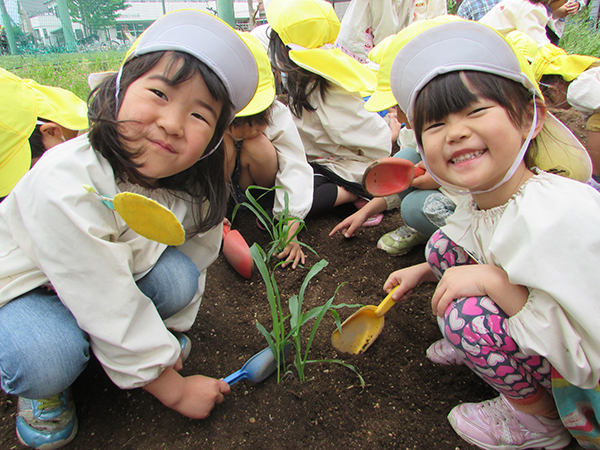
(294, 174)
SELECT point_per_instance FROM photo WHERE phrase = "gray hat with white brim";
(211, 41)
(466, 45)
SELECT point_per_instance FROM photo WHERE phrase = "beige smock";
(53, 231)
(545, 238)
(294, 175)
(342, 135)
(583, 94)
(367, 22)
(520, 15)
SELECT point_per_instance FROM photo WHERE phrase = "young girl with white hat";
(76, 276)
(516, 298)
(324, 85)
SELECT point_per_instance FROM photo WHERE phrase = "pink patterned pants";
(477, 328)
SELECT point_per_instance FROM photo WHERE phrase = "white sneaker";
(496, 425)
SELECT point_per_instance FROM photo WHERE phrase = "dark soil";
(404, 404)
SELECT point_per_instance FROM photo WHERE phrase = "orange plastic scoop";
(360, 330)
(388, 176)
(237, 252)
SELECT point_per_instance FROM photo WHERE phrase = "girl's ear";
(541, 118)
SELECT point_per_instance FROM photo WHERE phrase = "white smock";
(367, 22)
(520, 15)
(342, 135)
(545, 238)
(294, 174)
(53, 231)
(583, 92)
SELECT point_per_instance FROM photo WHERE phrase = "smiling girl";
(74, 276)
(514, 300)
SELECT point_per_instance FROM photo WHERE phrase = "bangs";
(453, 92)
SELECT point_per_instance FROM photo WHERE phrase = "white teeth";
(466, 157)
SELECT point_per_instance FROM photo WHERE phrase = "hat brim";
(381, 100)
(263, 98)
(560, 152)
(337, 67)
(14, 168)
(210, 40)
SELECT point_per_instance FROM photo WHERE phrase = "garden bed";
(405, 401)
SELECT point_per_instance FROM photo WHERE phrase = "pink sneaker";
(441, 352)
(496, 425)
(372, 221)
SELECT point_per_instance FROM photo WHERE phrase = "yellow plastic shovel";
(361, 329)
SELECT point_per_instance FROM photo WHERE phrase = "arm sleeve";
(554, 250)
(295, 175)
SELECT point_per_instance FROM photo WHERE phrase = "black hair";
(262, 118)
(300, 83)
(454, 91)
(36, 143)
(205, 180)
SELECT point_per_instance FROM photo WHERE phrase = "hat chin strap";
(511, 171)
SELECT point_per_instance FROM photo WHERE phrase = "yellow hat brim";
(18, 115)
(60, 106)
(337, 67)
(13, 168)
(265, 90)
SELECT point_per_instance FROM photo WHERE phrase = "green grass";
(579, 37)
(65, 70)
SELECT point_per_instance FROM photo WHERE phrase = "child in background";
(572, 81)
(513, 301)
(528, 16)
(558, 17)
(425, 205)
(324, 84)
(367, 22)
(155, 126)
(263, 148)
(33, 119)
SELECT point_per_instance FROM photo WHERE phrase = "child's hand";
(424, 181)
(201, 394)
(394, 123)
(351, 223)
(408, 279)
(475, 281)
(193, 396)
(292, 253)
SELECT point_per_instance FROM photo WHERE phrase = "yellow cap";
(383, 98)
(265, 91)
(309, 28)
(23, 102)
(523, 43)
(553, 60)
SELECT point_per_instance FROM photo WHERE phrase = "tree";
(95, 14)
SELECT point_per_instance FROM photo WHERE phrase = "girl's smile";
(170, 125)
(475, 148)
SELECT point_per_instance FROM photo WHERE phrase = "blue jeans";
(421, 209)
(43, 350)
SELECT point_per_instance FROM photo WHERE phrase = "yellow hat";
(523, 43)
(376, 53)
(383, 98)
(23, 102)
(309, 28)
(265, 91)
(553, 60)
(451, 47)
